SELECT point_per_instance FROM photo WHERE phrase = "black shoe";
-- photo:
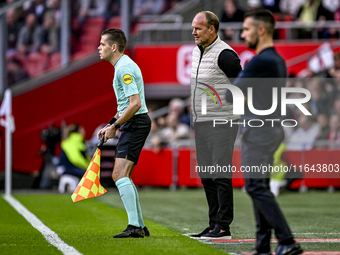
(131, 231)
(205, 231)
(293, 249)
(216, 233)
(146, 231)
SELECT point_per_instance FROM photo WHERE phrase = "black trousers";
(215, 147)
(258, 147)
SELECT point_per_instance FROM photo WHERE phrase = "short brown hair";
(264, 16)
(212, 19)
(116, 36)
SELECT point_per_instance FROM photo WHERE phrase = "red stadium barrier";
(157, 169)
(154, 169)
(309, 160)
(238, 180)
(186, 175)
(312, 158)
(185, 167)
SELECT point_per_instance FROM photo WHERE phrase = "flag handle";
(101, 142)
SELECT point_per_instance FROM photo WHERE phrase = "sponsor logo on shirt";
(127, 79)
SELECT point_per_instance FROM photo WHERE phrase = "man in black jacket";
(264, 73)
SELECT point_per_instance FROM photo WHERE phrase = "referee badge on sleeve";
(127, 79)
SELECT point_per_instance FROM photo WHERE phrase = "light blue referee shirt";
(128, 81)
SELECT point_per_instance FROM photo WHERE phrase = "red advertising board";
(171, 64)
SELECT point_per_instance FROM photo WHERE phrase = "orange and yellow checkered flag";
(89, 186)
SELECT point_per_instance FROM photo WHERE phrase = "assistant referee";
(132, 120)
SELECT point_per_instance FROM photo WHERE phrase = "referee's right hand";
(101, 132)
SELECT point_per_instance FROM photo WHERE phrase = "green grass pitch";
(89, 225)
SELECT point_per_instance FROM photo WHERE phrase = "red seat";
(19, 56)
(55, 60)
(114, 22)
(79, 54)
(277, 17)
(90, 35)
(288, 17)
(36, 64)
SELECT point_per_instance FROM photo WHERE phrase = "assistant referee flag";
(89, 186)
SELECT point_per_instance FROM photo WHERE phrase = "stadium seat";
(67, 183)
(21, 57)
(90, 35)
(36, 64)
(54, 60)
(114, 22)
(79, 55)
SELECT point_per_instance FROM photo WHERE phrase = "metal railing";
(165, 18)
(160, 31)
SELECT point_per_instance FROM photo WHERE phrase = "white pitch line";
(49, 235)
(316, 233)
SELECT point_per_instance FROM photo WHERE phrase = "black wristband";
(117, 126)
(113, 120)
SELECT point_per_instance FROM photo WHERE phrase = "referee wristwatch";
(117, 126)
